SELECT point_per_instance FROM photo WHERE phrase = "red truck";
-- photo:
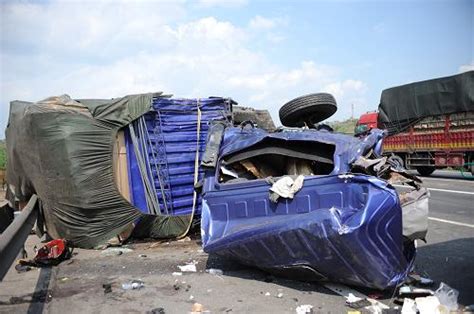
(430, 124)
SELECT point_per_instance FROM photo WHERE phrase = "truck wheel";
(396, 161)
(309, 109)
(425, 171)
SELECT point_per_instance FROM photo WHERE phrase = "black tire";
(425, 171)
(396, 161)
(309, 109)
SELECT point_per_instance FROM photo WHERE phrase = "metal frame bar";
(14, 237)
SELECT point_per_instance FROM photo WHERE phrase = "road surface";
(76, 287)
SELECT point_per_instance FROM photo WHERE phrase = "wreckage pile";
(326, 202)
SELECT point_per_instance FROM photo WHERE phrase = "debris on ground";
(115, 251)
(443, 300)
(133, 285)
(428, 305)
(22, 268)
(413, 292)
(419, 280)
(359, 304)
(107, 287)
(190, 267)
(279, 295)
(304, 309)
(197, 307)
(142, 255)
(409, 306)
(447, 296)
(50, 254)
(267, 294)
(185, 239)
(177, 273)
(214, 271)
(158, 310)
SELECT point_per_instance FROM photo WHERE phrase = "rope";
(196, 169)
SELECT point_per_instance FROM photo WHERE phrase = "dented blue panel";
(339, 228)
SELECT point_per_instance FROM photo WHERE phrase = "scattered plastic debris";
(351, 298)
(142, 255)
(304, 309)
(279, 295)
(191, 297)
(267, 294)
(115, 251)
(447, 296)
(423, 281)
(214, 271)
(412, 292)
(177, 273)
(133, 285)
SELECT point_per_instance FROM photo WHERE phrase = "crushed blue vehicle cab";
(340, 226)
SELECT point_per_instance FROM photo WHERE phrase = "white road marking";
(344, 291)
(451, 191)
(439, 190)
(451, 222)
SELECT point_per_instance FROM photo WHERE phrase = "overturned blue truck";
(300, 201)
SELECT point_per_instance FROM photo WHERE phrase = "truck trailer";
(430, 124)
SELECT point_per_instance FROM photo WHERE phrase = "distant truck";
(430, 124)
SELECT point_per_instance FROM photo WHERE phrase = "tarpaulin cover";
(61, 150)
(404, 105)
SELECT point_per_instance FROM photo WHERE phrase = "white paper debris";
(286, 187)
(409, 306)
(190, 267)
(428, 305)
(214, 271)
(304, 309)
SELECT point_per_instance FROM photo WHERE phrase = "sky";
(260, 53)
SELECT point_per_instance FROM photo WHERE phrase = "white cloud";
(264, 23)
(106, 51)
(467, 67)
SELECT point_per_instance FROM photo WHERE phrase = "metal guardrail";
(14, 237)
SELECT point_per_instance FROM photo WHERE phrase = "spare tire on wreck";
(309, 109)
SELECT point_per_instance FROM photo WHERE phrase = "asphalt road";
(76, 287)
(448, 255)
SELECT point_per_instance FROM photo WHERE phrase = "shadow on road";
(450, 262)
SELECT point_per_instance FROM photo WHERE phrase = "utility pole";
(352, 111)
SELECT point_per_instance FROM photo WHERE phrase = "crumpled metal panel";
(344, 229)
(339, 227)
(348, 148)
